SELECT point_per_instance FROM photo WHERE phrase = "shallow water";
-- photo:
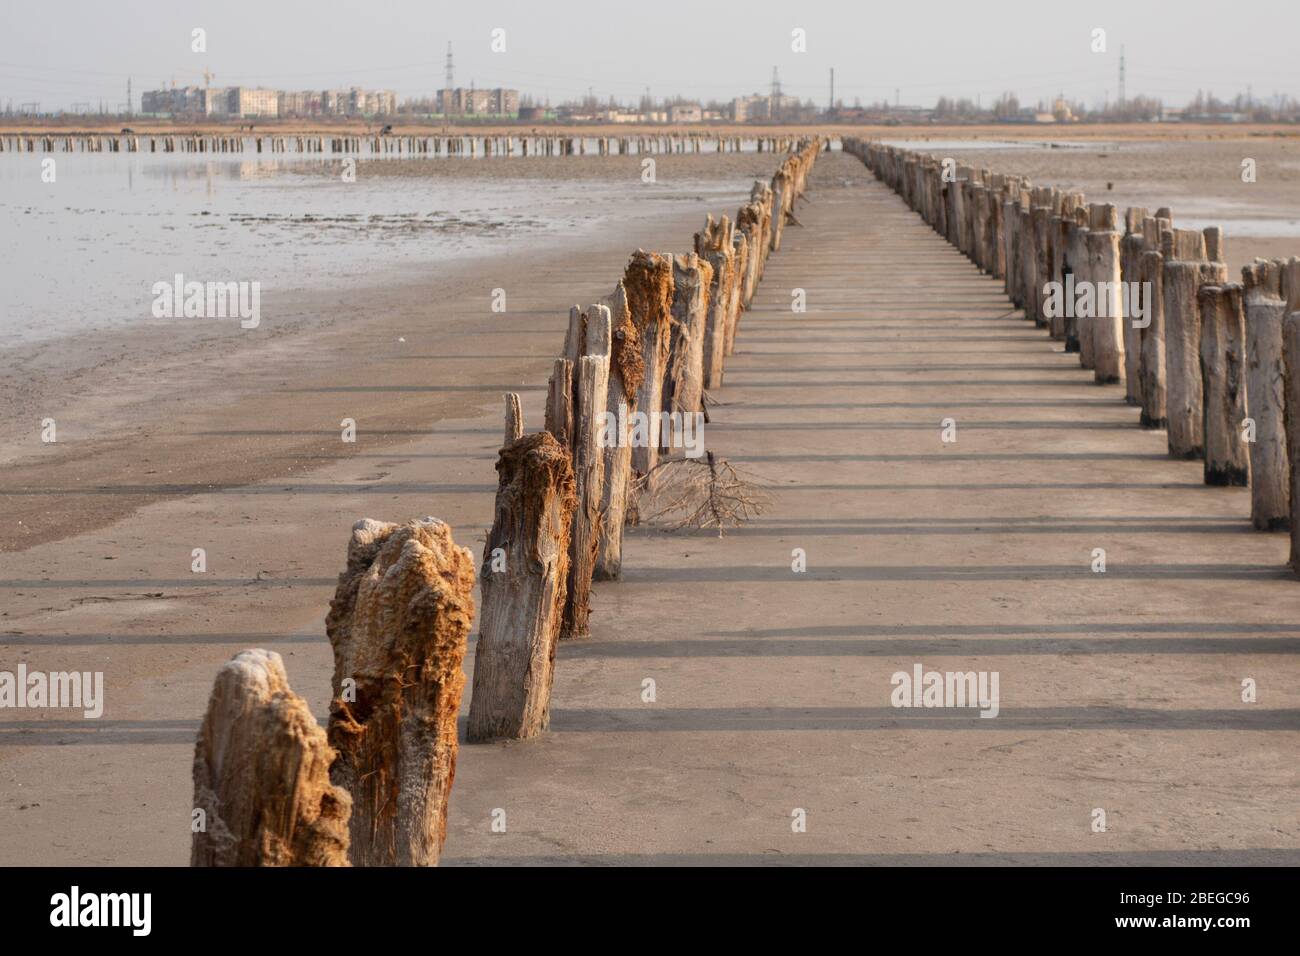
(85, 251)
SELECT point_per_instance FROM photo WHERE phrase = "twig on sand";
(699, 493)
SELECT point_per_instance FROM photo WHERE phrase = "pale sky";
(60, 52)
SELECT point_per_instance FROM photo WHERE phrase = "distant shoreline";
(352, 127)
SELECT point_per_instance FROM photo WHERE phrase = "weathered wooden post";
(1131, 248)
(1266, 397)
(591, 395)
(1223, 367)
(1107, 331)
(1077, 328)
(262, 774)
(1291, 354)
(398, 623)
(626, 370)
(684, 380)
(1151, 367)
(1060, 234)
(649, 284)
(524, 584)
(716, 245)
(514, 418)
(1185, 270)
(559, 403)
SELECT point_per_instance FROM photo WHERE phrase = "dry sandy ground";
(168, 409)
(1118, 691)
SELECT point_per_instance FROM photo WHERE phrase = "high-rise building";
(473, 102)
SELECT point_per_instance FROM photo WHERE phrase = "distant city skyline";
(83, 52)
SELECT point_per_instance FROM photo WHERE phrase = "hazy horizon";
(81, 52)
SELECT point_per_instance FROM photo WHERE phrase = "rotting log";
(398, 624)
(262, 774)
(524, 581)
(1223, 361)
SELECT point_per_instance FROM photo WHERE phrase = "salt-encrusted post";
(1266, 396)
(524, 580)
(262, 774)
(398, 624)
(592, 391)
(649, 284)
(1223, 361)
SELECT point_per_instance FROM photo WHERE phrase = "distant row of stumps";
(468, 146)
(1216, 364)
(271, 787)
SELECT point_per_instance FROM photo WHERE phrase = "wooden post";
(398, 624)
(559, 403)
(524, 581)
(626, 371)
(592, 393)
(1077, 329)
(1184, 253)
(717, 247)
(1266, 397)
(1104, 271)
(1151, 367)
(1223, 367)
(514, 418)
(262, 774)
(684, 378)
(1291, 353)
(1131, 248)
(649, 284)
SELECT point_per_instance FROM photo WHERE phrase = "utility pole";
(130, 109)
(449, 83)
(831, 107)
(1122, 97)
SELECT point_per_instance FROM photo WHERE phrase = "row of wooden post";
(469, 145)
(1214, 363)
(654, 346)
(271, 788)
